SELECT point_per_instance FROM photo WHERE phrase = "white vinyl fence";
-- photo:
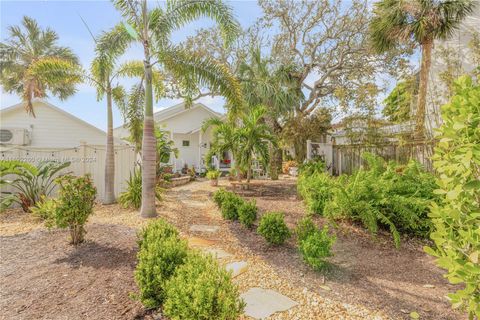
(84, 159)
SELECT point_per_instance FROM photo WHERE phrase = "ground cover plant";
(273, 228)
(456, 218)
(73, 205)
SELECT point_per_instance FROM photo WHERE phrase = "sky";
(63, 16)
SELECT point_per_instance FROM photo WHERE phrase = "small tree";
(74, 205)
(457, 220)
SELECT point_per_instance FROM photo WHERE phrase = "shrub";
(74, 205)
(385, 196)
(311, 167)
(132, 197)
(202, 290)
(213, 174)
(456, 219)
(45, 209)
(247, 213)
(219, 196)
(273, 228)
(316, 247)
(161, 252)
(230, 206)
(168, 177)
(316, 189)
(305, 227)
(30, 183)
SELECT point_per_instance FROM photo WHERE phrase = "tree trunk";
(149, 153)
(422, 89)
(109, 196)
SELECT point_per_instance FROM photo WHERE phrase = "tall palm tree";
(422, 22)
(32, 64)
(263, 83)
(152, 30)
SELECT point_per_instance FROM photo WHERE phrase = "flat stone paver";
(262, 303)
(218, 253)
(237, 267)
(195, 203)
(199, 242)
(204, 228)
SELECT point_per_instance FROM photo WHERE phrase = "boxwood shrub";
(273, 228)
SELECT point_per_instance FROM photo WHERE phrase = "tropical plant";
(30, 183)
(74, 205)
(161, 253)
(132, 197)
(420, 23)
(201, 289)
(316, 189)
(456, 220)
(152, 30)
(316, 247)
(247, 213)
(273, 228)
(32, 64)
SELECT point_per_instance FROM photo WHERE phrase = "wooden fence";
(84, 159)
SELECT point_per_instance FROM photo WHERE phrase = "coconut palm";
(152, 30)
(32, 64)
(263, 83)
(420, 22)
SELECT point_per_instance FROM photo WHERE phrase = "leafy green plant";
(312, 167)
(30, 183)
(385, 196)
(305, 227)
(45, 208)
(456, 219)
(219, 196)
(202, 290)
(247, 213)
(132, 197)
(230, 206)
(74, 205)
(168, 177)
(316, 247)
(213, 174)
(161, 252)
(316, 189)
(273, 228)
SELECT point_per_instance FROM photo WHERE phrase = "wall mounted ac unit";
(14, 136)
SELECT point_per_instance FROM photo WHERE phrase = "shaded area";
(366, 271)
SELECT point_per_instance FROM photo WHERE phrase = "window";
(186, 143)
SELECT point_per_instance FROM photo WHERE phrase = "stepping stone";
(199, 242)
(218, 253)
(195, 203)
(261, 303)
(237, 268)
(204, 228)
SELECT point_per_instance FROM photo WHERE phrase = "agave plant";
(30, 183)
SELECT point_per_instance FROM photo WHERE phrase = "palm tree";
(32, 64)
(422, 22)
(263, 83)
(152, 30)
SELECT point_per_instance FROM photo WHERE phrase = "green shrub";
(316, 247)
(305, 227)
(385, 196)
(202, 290)
(312, 167)
(30, 183)
(132, 197)
(45, 208)
(213, 174)
(230, 206)
(456, 219)
(247, 213)
(161, 252)
(273, 228)
(316, 189)
(74, 205)
(220, 195)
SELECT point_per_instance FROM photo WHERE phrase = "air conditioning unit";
(14, 136)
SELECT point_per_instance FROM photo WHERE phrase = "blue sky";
(64, 18)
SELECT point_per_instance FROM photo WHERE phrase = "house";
(184, 125)
(51, 128)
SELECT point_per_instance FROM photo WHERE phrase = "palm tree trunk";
(109, 196)
(422, 89)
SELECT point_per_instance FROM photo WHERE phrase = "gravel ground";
(369, 279)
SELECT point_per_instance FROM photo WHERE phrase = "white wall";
(52, 128)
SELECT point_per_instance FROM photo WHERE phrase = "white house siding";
(52, 128)
(436, 95)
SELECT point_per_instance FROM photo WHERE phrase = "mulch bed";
(366, 271)
(43, 277)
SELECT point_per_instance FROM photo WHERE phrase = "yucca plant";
(30, 183)
(132, 197)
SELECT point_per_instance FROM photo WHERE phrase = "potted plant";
(213, 175)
